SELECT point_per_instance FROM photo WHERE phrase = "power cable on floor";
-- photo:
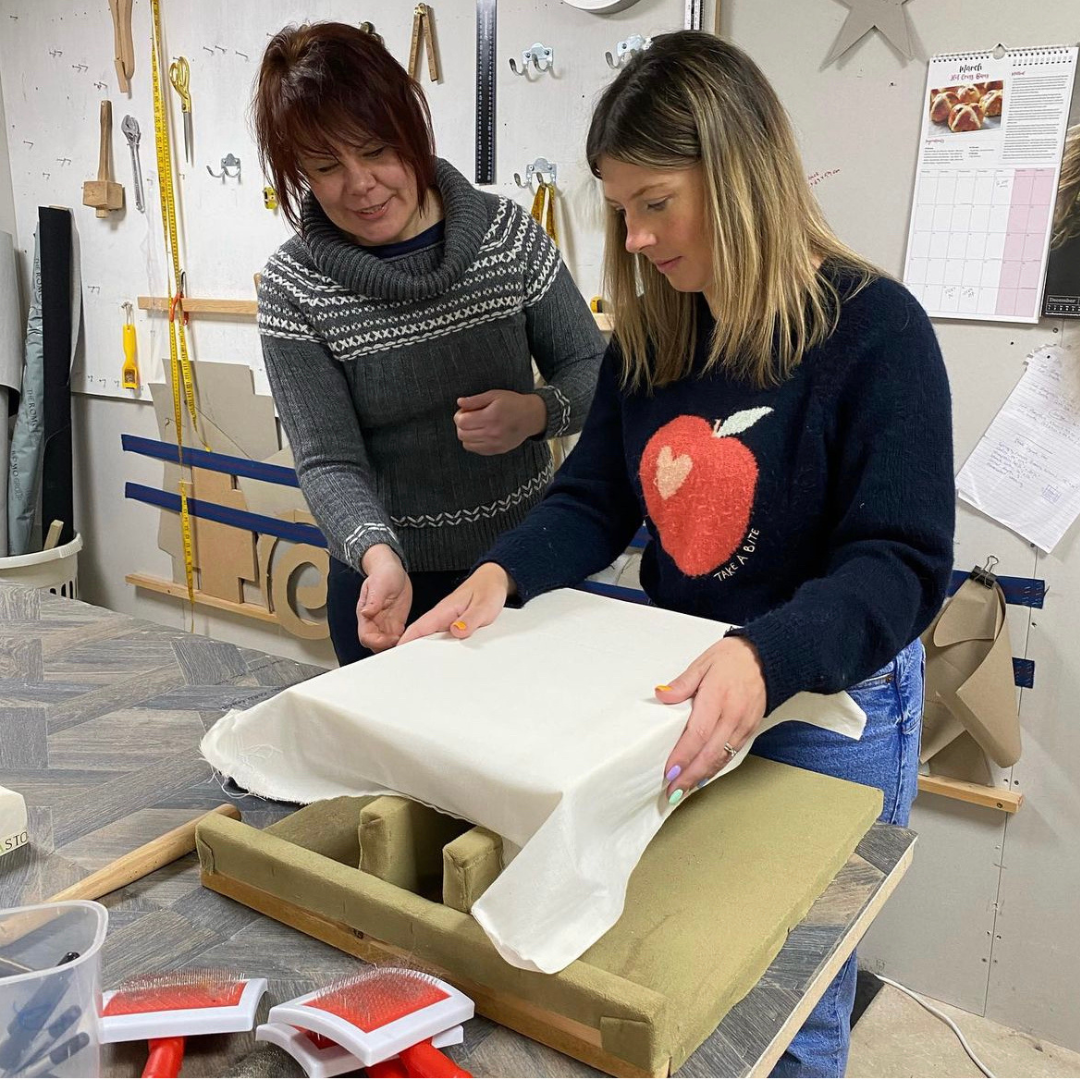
(945, 1019)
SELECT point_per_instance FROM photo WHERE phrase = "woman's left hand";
(498, 421)
(728, 688)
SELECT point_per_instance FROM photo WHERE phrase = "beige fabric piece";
(401, 841)
(543, 728)
(970, 685)
(470, 864)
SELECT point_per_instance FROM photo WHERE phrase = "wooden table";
(100, 718)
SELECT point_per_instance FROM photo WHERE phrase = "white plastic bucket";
(49, 1013)
(55, 569)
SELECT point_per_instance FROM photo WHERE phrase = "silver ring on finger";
(731, 751)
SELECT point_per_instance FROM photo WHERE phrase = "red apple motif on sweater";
(699, 484)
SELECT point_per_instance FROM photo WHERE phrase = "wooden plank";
(194, 306)
(559, 1032)
(173, 588)
(828, 971)
(250, 308)
(979, 794)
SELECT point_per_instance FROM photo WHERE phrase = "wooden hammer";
(104, 194)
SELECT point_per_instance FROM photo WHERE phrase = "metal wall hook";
(228, 162)
(541, 170)
(540, 56)
(634, 43)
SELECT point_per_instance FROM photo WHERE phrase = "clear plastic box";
(49, 1013)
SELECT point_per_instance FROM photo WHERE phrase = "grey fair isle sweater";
(367, 357)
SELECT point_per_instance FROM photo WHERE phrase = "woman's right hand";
(476, 602)
(385, 599)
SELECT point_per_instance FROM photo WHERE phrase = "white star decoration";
(888, 16)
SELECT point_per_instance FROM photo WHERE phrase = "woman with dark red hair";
(398, 327)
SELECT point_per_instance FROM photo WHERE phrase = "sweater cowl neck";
(467, 216)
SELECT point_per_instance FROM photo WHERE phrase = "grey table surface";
(100, 718)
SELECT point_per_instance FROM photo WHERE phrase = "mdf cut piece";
(224, 554)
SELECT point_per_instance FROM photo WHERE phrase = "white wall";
(987, 915)
(7, 202)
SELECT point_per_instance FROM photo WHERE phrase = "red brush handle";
(424, 1060)
(391, 1067)
(166, 1057)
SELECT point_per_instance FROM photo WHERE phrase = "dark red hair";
(330, 84)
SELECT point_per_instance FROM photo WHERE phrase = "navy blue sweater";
(817, 515)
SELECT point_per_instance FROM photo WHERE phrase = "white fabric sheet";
(543, 728)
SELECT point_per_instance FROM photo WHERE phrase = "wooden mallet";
(104, 194)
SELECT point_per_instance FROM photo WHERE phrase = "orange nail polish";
(663, 687)
(459, 625)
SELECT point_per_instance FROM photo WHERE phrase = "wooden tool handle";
(127, 46)
(142, 861)
(106, 137)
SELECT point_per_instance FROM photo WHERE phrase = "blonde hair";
(694, 99)
(1067, 208)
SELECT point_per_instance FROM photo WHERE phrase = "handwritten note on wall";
(1025, 471)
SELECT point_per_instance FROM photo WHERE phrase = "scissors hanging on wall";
(180, 77)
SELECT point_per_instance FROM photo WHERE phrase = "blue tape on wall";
(1024, 591)
(206, 459)
(1023, 672)
(616, 592)
(299, 532)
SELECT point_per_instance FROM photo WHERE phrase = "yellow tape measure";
(180, 364)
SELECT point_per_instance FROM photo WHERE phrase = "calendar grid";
(993, 129)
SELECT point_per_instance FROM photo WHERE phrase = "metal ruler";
(692, 19)
(485, 91)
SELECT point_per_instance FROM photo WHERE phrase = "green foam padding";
(707, 909)
(401, 842)
(470, 863)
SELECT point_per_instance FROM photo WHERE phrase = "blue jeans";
(886, 757)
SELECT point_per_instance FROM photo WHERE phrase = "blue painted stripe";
(297, 531)
(207, 459)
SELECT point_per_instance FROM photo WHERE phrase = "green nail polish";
(676, 795)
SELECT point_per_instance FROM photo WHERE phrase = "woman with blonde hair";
(778, 413)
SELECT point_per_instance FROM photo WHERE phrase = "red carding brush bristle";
(200, 988)
(382, 1012)
(379, 996)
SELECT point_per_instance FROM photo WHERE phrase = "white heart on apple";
(671, 472)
